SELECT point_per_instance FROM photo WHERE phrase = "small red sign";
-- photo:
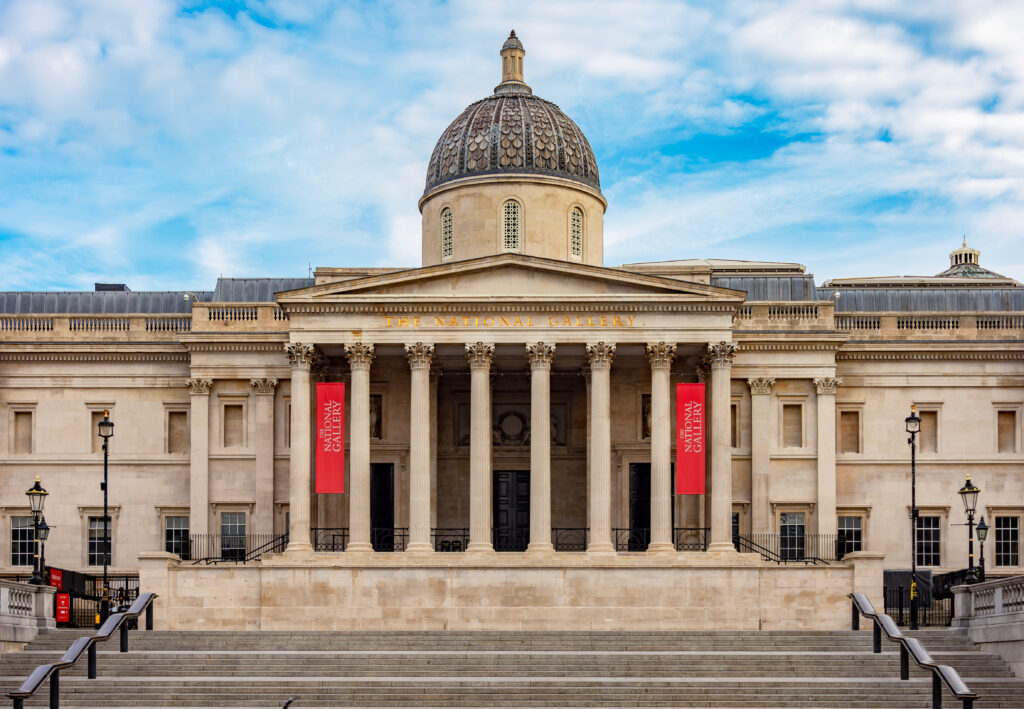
(690, 441)
(57, 579)
(330, 437)
(63, 606)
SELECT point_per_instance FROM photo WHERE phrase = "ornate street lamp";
(106, 432)
(36, 501)
(42, 532)
(913, 428)
(982, 534)
(969, 494)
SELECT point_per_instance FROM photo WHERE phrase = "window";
(513, 225)
(928, 439)
(233, 426)
(22, 541)
(176, 536)
(791, 535)
(929, 540)
(1007, 431)
(447, 234)
(576, 233)
(1007, 541)
(96, 541)
(232, 536)
(851, 535)
(22, 431)
(792, 425)
(849, 432)
(734, 416)
(177, 432)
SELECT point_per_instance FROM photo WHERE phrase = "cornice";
(748, 346)
(94, 357)
(274, 347)
(515, 306)
(919, 356)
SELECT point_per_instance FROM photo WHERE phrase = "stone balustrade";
(937, 325)
(993, 614)
(238, 317)
(24, 610)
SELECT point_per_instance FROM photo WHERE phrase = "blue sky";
(165, 143)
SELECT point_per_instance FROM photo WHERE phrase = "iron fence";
(632, 538)
(389, 538)
(212, 548)
(691, 538)
(938, 613)
(450, 540)
(329, 538)
(510, 538)
(570, 538)
(800, 547)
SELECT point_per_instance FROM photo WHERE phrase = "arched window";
(513, 225)
(447, 234)
(576, 232)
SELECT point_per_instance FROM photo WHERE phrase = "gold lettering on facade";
(509, 321)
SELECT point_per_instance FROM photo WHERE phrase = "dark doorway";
(639, 506)
(511, 510)
(382, 506)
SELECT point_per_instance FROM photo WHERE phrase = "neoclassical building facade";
(510, 420)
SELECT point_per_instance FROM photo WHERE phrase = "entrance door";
(382, 506)
(639, 506)
(511, 510)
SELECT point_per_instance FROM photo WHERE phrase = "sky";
(163, 144)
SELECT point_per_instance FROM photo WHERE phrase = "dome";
(512, 132)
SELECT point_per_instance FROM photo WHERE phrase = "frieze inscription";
(509, 321)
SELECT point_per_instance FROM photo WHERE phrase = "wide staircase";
(510, 669)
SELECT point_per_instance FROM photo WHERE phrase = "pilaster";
(199, 456)
(826, 508)
(760, 448)
(263, 442)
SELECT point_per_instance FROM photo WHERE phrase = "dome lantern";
(512, 54)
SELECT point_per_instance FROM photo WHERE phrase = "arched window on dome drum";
(513, 225)
(576, 232)
(447, 233)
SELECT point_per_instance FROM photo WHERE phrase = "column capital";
(827, 385)
(200, 385)
(761, 385)
(263, 385)
(600, 354)
(419, 354)
(479, 354)
(299, 355)
(661, 354)
(540, 355)
(360, 355)
(721, 355)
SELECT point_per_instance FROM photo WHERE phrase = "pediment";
(508, 276)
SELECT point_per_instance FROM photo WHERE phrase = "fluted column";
(360, 356)
(720, 357)
(600, 355)
(480, 355)
(199, 456)
(760, 461)
(826, 508)
(660, 356)
(263, 483)
(540, 355)
(300, 356)
(420, 356)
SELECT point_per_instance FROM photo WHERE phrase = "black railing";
(784, 549)
(450, 539)
(389, 538)
(329, 538)
(84, 646)
(510, 538)
(910, 648)
(570, 538)
(240, 548)
(632, 538)
(938, 613)
(691, 538)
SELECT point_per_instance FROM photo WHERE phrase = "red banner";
(57, 579)
(62, 604)
(330, 438)
(690, 439)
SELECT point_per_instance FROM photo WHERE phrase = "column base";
(661, 548)
(722, 547)
(358, 547)
(605, 548)
(480, 547)
(298, 548)
(419, 548)
(540, 547)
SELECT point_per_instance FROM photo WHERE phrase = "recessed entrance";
(511, 510)
(639, 507)
(382, 506)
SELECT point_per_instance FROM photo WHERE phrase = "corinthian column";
(480, 355)
(760, 445)
(660, 356)
(300, 356)
(420, 356)
(359, 358)
(600, 355)
(199, 456)
(720, 357)
(826, 508)
(540, 355)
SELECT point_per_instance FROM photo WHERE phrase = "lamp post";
(106, 431)
(42, 532)
(969, 494)
(36, 500)
(913, 428)
(982, 533)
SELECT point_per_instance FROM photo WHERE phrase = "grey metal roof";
(866, 300)
(770, 287)
(99, 302)
(255, 290)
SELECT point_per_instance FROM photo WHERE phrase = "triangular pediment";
(508, 276)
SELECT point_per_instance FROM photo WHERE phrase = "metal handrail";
(117, 621)
(276, 544)
(767, 554)
(910, 648)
